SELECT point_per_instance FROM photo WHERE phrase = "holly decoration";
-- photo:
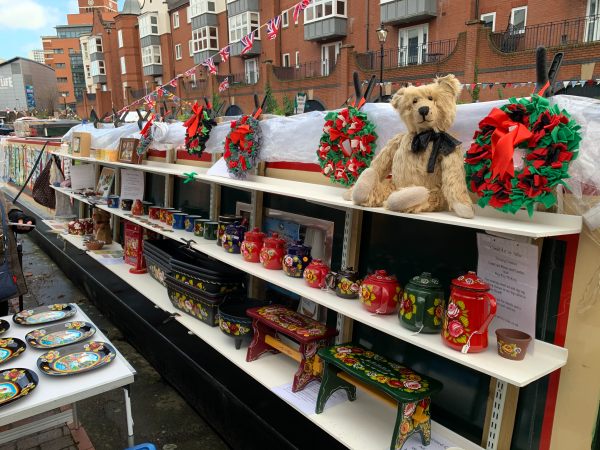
(198, 128)
(146, 137)
(520, 153)
(242, 145)
(347, 145)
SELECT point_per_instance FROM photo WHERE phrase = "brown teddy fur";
(412, 188)
(102, 230)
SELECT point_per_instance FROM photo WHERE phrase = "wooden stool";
(346, 366)
(267, 321)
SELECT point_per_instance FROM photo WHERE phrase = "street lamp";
(64, 96)
(381, 36)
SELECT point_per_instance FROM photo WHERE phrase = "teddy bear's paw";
(463, 210)
(407, 198)
(348, 194)
(364, 186)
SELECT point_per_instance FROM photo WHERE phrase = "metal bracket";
(496, 415)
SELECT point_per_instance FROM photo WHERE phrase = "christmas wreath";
(242, 145)
(520, 153)
(347, 145)
(146, 137)
(198, 128)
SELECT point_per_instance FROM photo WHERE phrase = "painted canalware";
(45, 314)
(272, 252)
(253, 243)
(137, 209)
(76, 358)
(315, 274)
(345, 283)
(380, 293)
(112, 201)
(232, 240)
(154, 212)
(470, 310)
(512, 344)
(126, 204)
(189, 222)
(16, 383)
(199, 226)
(179, 221)
(225, 220)
(234, 322)
(163, 214)
(60, 335)
(296, 259)
(210, 230)
(146, 205)
(170, 216)
(4, 326)
(422, 305)
(10, 348)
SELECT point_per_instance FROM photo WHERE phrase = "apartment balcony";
(205, 20)
(99, 79)
(96, 56)
(153, 70)
(242, 6)
(326, 29)
(397, 12)
(428, 53)
(236, 49)
(305, 70)
(202, 56)
(552, 34)
(151, 39)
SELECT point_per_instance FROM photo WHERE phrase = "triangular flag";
(473, 86)
(503, 84)
(565, 84)
(173, 82)
(573, 83)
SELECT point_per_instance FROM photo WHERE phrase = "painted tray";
(60, 335)
(45, 314)
(4, 326)
(10, 348)
(16, 384)
(77, 358)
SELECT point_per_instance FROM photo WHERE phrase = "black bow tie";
(443, 144)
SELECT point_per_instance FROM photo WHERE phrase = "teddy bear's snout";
(423, 111)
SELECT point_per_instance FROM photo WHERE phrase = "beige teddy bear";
(426, 163)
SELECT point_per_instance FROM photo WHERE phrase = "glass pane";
(310, 15)
(328, 8)
(341, 8)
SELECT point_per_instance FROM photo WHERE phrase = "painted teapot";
(422, 305)
(231, 241)
(346, 283)
(315, 273)
(253, 243)
(271, 254)
(470, 310)
(296, 259)
(380, 292)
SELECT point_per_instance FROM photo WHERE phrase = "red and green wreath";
(242, 145)
(198, 128)
(347, 145)
(520, 153)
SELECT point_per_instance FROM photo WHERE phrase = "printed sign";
(6, 82)
(300, 103)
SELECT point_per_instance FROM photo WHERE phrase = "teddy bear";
(102, 230)
(426, 163)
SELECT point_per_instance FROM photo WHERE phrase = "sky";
(22, 22)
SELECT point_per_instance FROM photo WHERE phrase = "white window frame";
(193, 81)
(284, 57)
(147, 28)
(178, 54)
(201, 39)
(285, 19)
(97, 68)
(176, 19)
(251, 76)
(512, 19)
(123, 65)
(188, 14)
(318, 7)
(120, 38)
(325, 61)
(403, 48)
(242, 24)
(95, 44)
(191, 47)
(297, 58)
(199, 7)
(592, 26)
(151, 55)
(493, 14)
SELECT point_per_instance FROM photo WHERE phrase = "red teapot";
(315, 274)
(380, 293)
(271, 255)
(470, 310)
(253, 243)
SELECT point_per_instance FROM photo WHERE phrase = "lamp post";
(381, 36)
(64, 96)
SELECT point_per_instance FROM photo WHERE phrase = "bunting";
(300, 6)
(247, 42)
(224, 85)
(224, 53)
(273, 27)
(210, 65)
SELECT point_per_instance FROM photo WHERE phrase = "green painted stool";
(411, 390)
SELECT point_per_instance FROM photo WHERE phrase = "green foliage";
(288, 106)
(477, 88)
(271, 105)
(216, 101)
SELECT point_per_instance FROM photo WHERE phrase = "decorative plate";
(16, 384)
(11, 348)
(4, 326)
(60, 335)
(77, 358)
(45, 314)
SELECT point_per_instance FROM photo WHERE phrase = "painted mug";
(210, 230)
(179, 221)
(154, 212)
(112, 201)
(189, 223)
(126, 204)
(199, 226)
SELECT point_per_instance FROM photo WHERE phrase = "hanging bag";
(8, 284)
(42, 191)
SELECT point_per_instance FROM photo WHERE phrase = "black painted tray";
(4, 326)
(77, 358)
(59, 335)
(45, 314)
(10, 348)
(16, 384)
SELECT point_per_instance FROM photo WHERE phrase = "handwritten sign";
(132, 184)
(82, 177)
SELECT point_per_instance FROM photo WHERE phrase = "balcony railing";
(552, 34)
(310, 69)
(430, 52)
(240, 78)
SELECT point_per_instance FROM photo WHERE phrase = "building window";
(320, 9)
(251, 66)
(205, 38)
(84, 50)
(123, 66)
(489, 20)
(61, 80)
(87, 72)
(60, 65)
(518, 19)
(188, 13)
(285, 60)
(193, 81)
(71, 51)
(593, 21)
(191, 47)
(176, 19)
(120, 38)
(178, 52)
(412, 45)
(95, 44)
(199, 7)
(329, 56)
(285, 19)
(242, 24)
(97, 68)
(58, 51)
(148, 24)
(151, 55)
(297, 58)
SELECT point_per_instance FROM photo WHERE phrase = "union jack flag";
(190, 72)
(224, 53)
(300, 6)
(247, 42)
(224, 85)
(273, 26)
(173, 82)
(210, 64)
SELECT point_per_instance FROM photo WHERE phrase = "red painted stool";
(267, 321)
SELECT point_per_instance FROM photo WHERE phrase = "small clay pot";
(94, 245)
(512, 344)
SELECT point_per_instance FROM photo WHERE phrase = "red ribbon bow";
(238, 136)
(506, 136)
(193, 122)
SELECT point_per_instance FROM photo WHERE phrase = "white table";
(54, 392)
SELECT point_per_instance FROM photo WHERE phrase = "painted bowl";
(94, 245)
(234, 322)
(512, 344)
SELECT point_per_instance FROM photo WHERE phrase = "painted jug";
(346, 283)
(380, 293)
(231, 241)
(271, 255)
(225, 220)
(422, 305)
(470, 310)
(296, 259)
(253, 243)
(315, 274)
(137, 209)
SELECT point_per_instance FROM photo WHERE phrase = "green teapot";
(422, 305)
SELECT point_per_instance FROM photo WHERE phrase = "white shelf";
(544, 359)
(542, 224)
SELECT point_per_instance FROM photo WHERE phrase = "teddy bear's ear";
(450, 84)
(397, 98)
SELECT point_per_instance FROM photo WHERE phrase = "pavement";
(161, 415)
